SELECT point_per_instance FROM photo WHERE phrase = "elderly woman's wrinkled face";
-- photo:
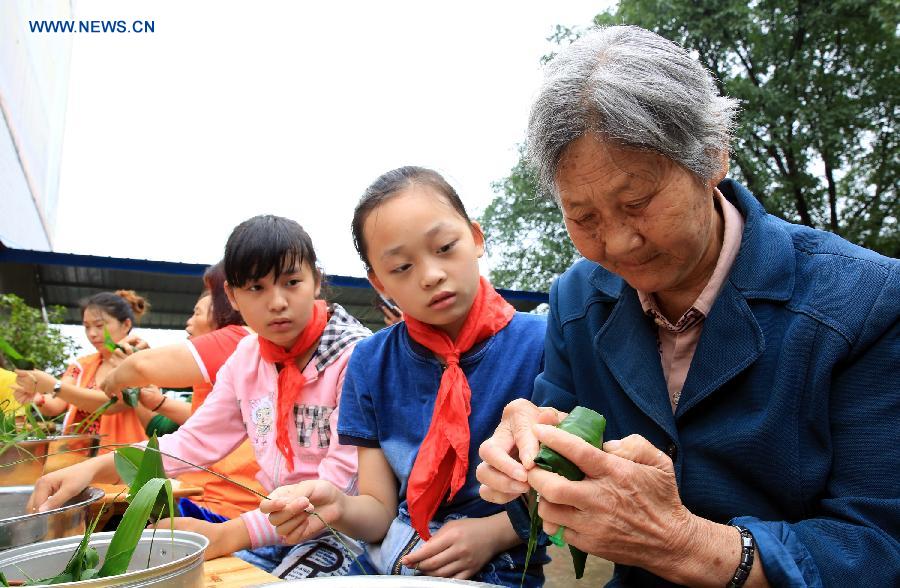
(639, 215)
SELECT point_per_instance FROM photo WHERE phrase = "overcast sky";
(232, 109)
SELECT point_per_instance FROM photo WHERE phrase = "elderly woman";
(749, 368)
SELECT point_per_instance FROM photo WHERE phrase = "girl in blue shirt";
(419, 397)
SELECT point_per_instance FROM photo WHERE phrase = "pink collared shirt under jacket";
(242, 405)
(678, 342)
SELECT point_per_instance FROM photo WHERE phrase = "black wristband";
(748, 547)
(161, 402)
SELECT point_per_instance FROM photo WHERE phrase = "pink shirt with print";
(242, 405)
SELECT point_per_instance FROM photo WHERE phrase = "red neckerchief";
(443, 458)
(290, 378)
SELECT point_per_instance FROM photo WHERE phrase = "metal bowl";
(19, 528)
(175, 561)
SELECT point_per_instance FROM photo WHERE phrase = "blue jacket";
(388, 399)
(788, 420)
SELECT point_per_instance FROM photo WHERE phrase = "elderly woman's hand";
(510, 451)
(627, 509)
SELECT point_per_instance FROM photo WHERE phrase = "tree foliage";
(817, 140)
(27, 331)
(527, 240)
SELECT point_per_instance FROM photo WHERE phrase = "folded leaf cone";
(585, 424)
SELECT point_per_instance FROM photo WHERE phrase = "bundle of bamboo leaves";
(589, 426)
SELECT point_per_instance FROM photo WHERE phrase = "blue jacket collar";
(764, 267)
(732, 339)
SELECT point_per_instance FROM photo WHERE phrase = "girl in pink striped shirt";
(280, 388)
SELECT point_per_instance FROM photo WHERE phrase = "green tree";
(25, 329)
(817, 140)
(527, 240)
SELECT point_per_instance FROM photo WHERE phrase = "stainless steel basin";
(20, 528)
(176, 563)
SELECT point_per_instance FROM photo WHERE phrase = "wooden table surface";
(231, 572)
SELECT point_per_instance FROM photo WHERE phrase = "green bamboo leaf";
(589, 426)
(18, 360)
(90, 574)
(36, 430)
(579, 559)
(151, 467)
(127, 535)
(108, 341)
(131, 396)
(534, 530)
(8, 350)
(83, 559)
(92, 418)
(3, 580)
(583, 423)
(23, 364)
(128, 460)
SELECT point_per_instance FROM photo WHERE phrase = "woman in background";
(78, 391)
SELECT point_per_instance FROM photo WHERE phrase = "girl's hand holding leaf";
(626, 509)
(56, 488)
(290, 508)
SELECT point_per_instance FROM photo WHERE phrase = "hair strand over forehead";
(265, 244)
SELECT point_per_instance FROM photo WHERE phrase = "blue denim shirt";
(388, 399)
(788, 420)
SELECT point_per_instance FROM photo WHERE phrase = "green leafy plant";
(22, 424)
(17, 359)
(35, 339)
(589, 426)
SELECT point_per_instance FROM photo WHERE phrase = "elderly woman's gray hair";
(636, 89)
